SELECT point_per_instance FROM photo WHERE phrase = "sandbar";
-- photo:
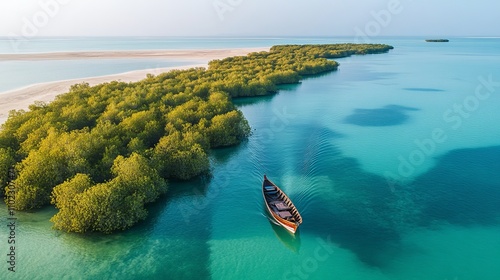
(169, 54)
(21, 98)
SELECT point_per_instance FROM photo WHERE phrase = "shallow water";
(18, 74)
(331, 143)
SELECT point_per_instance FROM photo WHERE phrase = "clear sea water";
(18, 74)
(393, 162)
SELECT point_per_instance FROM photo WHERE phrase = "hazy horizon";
(231, 18)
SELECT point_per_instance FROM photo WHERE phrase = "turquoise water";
(331, 142)
(18, 74)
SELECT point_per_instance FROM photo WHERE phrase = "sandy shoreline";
(23, 97)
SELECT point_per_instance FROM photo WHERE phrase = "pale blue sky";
(249, 17)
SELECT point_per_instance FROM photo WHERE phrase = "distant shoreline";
(21, 98)
(167, 54)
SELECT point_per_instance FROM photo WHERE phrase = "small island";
(437, 40)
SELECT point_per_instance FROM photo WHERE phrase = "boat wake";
(270, 219)
(300, 159)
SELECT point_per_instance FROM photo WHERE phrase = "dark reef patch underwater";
(424, 89)
(386, 116)
(362, 214)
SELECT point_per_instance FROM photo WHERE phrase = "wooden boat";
(280, 207)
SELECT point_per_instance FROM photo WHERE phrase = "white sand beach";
(23, 97)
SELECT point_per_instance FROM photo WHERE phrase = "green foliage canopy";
(100, 153)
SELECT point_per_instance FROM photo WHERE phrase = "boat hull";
(275, 198)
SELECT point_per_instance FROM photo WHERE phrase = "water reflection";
(289, 240)
(248, 101)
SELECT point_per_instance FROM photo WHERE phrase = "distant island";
(437, 40)
(100, 154)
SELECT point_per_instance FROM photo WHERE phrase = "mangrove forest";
(100, 153)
